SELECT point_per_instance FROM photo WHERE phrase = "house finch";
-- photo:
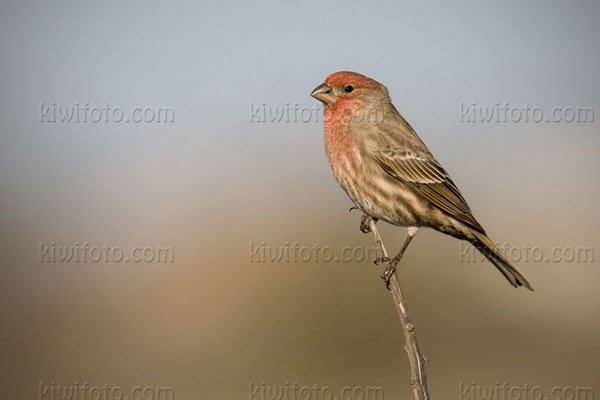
(389, 173)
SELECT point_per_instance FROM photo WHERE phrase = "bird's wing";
(421, 172)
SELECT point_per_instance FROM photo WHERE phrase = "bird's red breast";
(340, 141)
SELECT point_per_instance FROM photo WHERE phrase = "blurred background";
(213, 182)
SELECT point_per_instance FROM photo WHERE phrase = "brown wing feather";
(401, 153)
(426, 177)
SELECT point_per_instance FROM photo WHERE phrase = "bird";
(389, 173)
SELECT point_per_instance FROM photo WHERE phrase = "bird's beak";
(324, 93)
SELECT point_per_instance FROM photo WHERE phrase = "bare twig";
(418, 379)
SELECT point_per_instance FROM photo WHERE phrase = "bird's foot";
(365, 223)
(383, 259)
(389, 271)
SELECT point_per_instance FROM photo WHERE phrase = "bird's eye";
(348, 89)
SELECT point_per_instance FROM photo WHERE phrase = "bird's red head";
(347, 78)
(351, 96)
(349, 88)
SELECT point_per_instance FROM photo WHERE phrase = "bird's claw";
(389, 271)
(353, 208)
(381, 259)
(365, 223)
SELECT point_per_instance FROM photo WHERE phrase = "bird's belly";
(385, 198)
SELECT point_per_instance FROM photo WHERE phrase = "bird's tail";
(492, 253)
